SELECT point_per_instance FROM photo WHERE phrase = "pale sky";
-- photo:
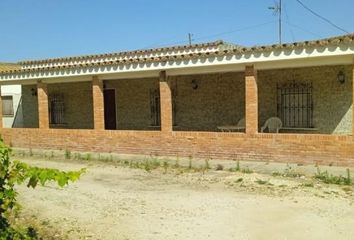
(36, 29)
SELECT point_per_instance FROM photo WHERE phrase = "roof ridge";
(327, 39)
(221, 51)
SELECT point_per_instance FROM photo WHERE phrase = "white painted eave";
(272, 59)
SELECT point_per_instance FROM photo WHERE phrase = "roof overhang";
(341, 54)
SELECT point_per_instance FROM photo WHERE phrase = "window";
(155, 107)
(56, 109)
(7, 106)
(295, 106)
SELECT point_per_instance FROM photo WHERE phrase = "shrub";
(16, 172)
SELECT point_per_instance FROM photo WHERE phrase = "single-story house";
(283, 102)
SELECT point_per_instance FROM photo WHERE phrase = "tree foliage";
(16, 172)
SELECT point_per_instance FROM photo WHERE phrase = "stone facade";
(219, 99)
(133, 102)
(332, 101)
(29, 107)
(78, 106)
(78, 110)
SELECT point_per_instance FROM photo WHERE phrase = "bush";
(16, 172)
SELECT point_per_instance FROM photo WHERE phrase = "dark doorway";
(109, 109)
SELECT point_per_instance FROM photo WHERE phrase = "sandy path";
(121, 203)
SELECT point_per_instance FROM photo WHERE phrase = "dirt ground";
(117, 202)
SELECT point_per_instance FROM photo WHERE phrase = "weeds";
(155, 163)
(238, 166)
(177, 163)
(147, 166)
(288, 172)
(165, 166)
(30, 152)
(207, 166)
(239, 169)
(190, 166)
(331, 179)
(88, 157)
(246, 170)
(219, 167)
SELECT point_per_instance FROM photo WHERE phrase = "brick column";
(165, 103)
(98, 103)
(251, 100)
(43, 110)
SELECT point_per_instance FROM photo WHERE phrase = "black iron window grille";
(56, 109)
(174, 105)
(155, 107)
(295, 105)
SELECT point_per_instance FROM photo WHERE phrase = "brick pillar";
(251, 100)
(43, 110)
(98, 103)
(166, 103)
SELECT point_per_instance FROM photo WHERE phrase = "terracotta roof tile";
(124, 53)
(6, 67)
(233, 49)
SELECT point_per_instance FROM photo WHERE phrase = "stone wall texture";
(218, 100)
(78, 106)
(332, 110)
(29, 107)
(133, 102)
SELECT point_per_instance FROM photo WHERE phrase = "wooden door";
(110, 109)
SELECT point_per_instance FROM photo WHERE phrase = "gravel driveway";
(116, 202)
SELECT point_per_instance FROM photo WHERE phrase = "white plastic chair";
(273, 124)
(241, 125)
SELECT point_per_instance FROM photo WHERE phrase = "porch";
(307, 100)
(180, 115)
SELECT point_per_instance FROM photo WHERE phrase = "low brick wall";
(300, 148)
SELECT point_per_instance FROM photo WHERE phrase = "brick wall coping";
(187, 134)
